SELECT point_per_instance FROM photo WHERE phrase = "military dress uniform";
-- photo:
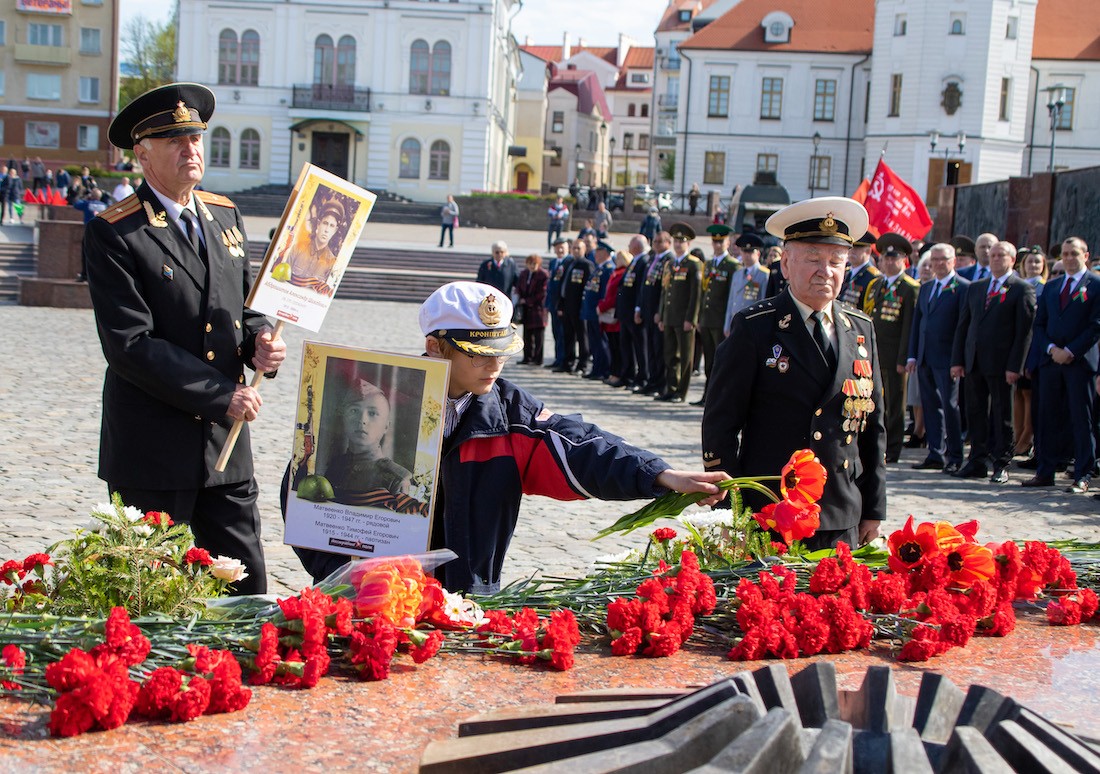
(169, 308)
(717, 278)
(854, 289)
(556, 270)
(891, 305)
(682, 284)
(577, 273)
(649, 307)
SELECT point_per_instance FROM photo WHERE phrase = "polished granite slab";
(344, 725)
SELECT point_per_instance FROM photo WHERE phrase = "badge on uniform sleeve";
(166, 272)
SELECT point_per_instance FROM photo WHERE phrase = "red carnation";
(158, 693)
(1063, 612)
(191, 702)
(158, 519)
(123, 639)
(36, 560)
(199, 556)
(663, 534)
(12, 572)
(622, 614)
(14, 660)
(627, 643)
(430, 646)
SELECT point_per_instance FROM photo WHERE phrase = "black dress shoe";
(952, 468)
(1037, 481)
(675, 399)
(1000, 476)
(929, 463)
(700, 402)
(892, 458)
(1080, 486)
(914, 442)
(971, 470)
(1031, 463)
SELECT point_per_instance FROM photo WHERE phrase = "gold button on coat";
(237, 324)
(817, 413)
(210, 355)
(845, 464)
(817, 435)
(209, 327)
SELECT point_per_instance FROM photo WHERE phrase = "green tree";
(668, 166)
(149, 57)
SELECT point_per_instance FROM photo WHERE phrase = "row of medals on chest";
(858, 391)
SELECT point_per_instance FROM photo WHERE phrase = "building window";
(91, 2)
(718, 104)
(90, 40)
(555, 156)
(1011, 27)
(767, 162)
(639, 77)
(771, 98)
(250, 149)
(89, 89)
(439, 161)
(820, 169)
(87, 137)
(249, 71)
(958, 24)
(228, 56)
(557, 122)
(42, 134)
(441, 68)
(901, 25)
(628, 141)
(419, 67)
(218, 156)
(1065, 118)
(41, 86)
(410, 159)
(895, 95)
(1, 88)
(1, 131)
(324, 61)
(645, 110)
(714, 167)
(825, 100)
(630, 110)
(867, 102)
(1006, 99)
(643, 142)
(3, 32)
(44, 34)
(685, 16)
(345, 61)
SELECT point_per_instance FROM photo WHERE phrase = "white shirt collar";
(806, 311)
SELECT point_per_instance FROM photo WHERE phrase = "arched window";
(324, 61)
(345, 61)
(410, 159)
(219, 148)
(439, 161)
(441, 68)
(250, 58)
(630, 109)
(645, 110)
(419, 67)
(228, 56)
(250, 149)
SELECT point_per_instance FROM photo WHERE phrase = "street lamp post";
(603, 147)
(611, 166)
(577, 163)
(934, 140)
(813, 163)
(1056, 100)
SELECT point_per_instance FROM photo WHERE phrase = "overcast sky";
(599, 22)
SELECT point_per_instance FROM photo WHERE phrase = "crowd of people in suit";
(972, 351)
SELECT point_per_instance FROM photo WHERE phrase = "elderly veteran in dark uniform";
(801, 371)
(168, 272)
(681, 292)
(861, 270)
(718, 274)
(749, 283)
(890, 301)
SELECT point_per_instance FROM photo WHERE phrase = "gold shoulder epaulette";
(117, 212)
(909, 280)
(212, 198)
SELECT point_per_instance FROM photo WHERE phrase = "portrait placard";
(367, 440)
(312, 246)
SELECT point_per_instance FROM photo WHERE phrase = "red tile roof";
(586, 86)
(671, 18)
(1064, 31)
(553, 53)
(639, 56)
(818, 27)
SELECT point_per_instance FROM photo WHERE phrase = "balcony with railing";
(57, 56)
(326, 96)
(668, 101)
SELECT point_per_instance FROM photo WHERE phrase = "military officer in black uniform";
(578, 269)
(717, 276)
(800, 371)
(649, 312)
(168, 273)
(682, 286)
(890, 301)
(861, 270)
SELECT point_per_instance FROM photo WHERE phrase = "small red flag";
(892, 205)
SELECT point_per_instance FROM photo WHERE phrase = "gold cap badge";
(181, 113)
(828, 225)
(488, 311)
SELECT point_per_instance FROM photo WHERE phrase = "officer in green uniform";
(681, 293)
(890, 301)
(861, 270)
(717, 276)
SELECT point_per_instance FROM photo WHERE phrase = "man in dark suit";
(981, 248)
(990, 346)
(890, 301)
(1067, 327)
(682, 287)
(930, 349)
(500, 270)
(627, 302)
(168, 273)
(648, 313)
(556, 270)
(801, 371)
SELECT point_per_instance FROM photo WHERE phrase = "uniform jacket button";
(209, 327)
(845, 464)
(237, 324)
(817, 413)
(817, 435)
(210, 355)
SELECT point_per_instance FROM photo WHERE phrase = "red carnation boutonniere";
(951, 287)
(1001, 294)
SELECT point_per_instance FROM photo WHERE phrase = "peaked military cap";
(749, 242)
(167, 111)
(719, 231)
(825, 220)
(963, 245)
(681, 231)
(893, 243)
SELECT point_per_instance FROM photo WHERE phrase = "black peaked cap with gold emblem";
(833, 220)
(167, 111)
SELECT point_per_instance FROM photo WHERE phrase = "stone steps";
(16, 260)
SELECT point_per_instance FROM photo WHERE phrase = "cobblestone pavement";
(49, 425)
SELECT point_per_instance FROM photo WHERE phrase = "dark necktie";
(192, 228)
(823, 343)
(1063, 299)
(936, 291)
(992, 292)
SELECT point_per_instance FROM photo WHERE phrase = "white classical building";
(410, 96)
(816, 91)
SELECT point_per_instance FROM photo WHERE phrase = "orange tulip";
(909, 547)
(803, 478)
(970, 563)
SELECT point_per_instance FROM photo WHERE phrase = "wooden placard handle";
(235, 431)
